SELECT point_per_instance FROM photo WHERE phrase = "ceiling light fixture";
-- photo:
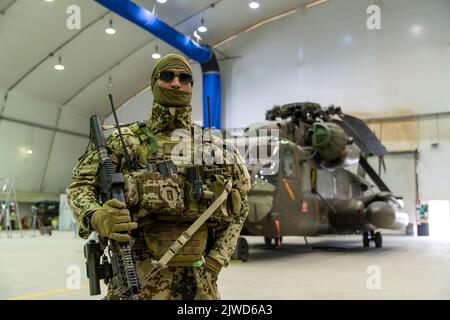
(161, 1)
(254, 5)
(110, 30)
(30, 149)
(416, 30)
(156, 54)
(59, 66)
(202, 27)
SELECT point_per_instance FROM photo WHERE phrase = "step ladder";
(8, 195)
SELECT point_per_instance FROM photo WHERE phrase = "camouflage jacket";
(146, 148)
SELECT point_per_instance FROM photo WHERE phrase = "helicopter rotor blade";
(364, 138)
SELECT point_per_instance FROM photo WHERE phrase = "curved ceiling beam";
(5, 98)
(41, 126)
(57, 49)
(5, 8)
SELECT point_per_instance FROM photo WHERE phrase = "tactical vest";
(165, 195)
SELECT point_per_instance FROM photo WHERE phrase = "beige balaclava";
(171, 107)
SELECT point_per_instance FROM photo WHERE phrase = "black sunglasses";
(168, 76)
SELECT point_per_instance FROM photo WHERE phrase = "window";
(288, 163)
(325, 184)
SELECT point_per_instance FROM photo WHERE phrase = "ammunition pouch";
(166, 195)
(131, 191)
(234, 202)
(211, 189)
(159, 236)
(232, 206)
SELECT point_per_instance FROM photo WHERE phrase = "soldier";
(163, 199)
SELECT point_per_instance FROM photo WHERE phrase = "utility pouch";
(232, 206)
(234, 203)
(212, 188)
(159, 236)
(131, 191)
(195, 206)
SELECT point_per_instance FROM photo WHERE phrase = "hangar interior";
(386, 62)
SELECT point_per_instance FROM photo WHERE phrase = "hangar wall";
(328, 55)
(431, 137)
(433, 170)
(33, 182)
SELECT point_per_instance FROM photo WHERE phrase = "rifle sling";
(178, 244)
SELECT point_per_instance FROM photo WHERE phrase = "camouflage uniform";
(147, 145)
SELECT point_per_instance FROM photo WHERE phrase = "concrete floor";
(336, 268)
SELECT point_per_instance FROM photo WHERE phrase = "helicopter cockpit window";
(268, 172)
(288, 163)
(263, 163)
(326, 184)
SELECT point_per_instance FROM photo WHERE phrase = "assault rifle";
(121, 263)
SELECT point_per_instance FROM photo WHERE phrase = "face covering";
(171, 107)
(171, 97)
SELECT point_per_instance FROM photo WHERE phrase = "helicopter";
(310, 178)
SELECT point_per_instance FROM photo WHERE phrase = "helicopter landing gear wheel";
(366, 240)
(378, 240)
(268, 241)
(241, 250)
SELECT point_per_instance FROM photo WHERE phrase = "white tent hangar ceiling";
(44, 112)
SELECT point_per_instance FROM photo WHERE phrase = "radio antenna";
(125, 152)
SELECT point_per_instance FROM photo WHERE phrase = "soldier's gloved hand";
(112, 220)
(213, 267)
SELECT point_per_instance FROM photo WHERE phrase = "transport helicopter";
(309, 179)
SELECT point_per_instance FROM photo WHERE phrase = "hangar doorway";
(439, 219)
(401, 178)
